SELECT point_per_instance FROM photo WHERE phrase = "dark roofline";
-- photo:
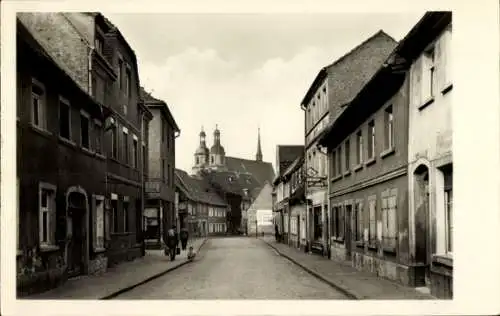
(323, 72)
(294, 166)
(157, 103)
(392, 73)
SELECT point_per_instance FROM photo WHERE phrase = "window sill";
(358, 167)
(445, 259)
(335, 178)
(99, 250)
(40, 130)
(67, 141)
(447, 88)
(347, 173)
(100, 156)
(426, 103)
(88, 151)
(387, 152)
(372, 247)
(370, 161)
(48, 248)
(360, 244)
(338, 240)
(390, 250)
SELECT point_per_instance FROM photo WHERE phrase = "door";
(77, 242)
(421, 204)
(348, 232)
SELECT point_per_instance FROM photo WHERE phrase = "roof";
(198, 189)
(363, 60)
(28, 38)
(153, 102)
(234, 182)
(262, 171)
(286, 155)
(389, 76)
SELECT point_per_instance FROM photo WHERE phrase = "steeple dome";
(202, 148)
(217, 148)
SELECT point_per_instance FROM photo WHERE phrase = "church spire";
(258, 156)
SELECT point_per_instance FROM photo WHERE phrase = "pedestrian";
(184, 238)
(276, 232)
(172, 242)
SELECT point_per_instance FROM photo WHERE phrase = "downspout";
(143, 195)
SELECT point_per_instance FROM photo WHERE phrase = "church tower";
(217, 153)
(258, 156)
(201, 154)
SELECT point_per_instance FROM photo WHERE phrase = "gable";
(264, 199)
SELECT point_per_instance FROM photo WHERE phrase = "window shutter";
(60, 218)
(392, 220)
(361, 221)
(384, 220)
(342, 222)
(94, 222)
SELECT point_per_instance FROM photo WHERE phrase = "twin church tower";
(215, 158)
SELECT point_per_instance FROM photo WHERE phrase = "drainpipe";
(143, 195)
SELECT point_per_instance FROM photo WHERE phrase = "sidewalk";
(352, 282)
(121, 277)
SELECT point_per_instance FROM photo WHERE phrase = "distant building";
(237, 181)
(201, 210)
(286, 155)
(159, 212)
(260, 213)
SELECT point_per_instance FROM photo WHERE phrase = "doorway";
(348, 232)
(77, 211)
(421, 207)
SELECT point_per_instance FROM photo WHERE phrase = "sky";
(243, 71)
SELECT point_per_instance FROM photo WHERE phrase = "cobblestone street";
(236, 268)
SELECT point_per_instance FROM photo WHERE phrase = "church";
(237, 181)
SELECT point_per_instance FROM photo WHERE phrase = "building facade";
(99, 60)
(259, 214)
(59, 233)
(331, 91)
(294, 175)
(159, 213)
(430, 177)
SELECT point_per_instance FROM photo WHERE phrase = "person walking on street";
(276, 232)
(172, 242)
(184, 238)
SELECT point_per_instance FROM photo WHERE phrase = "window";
(47, 215)
(114, 141)
(389, 128)
(99, 88)
(372, 227)
(18, 237)
(135, 151)
(339, 160)
(212, 160)
(114, 214)
(64, 119)
(338, 216)
(99, 223)
(448, 203)
(358, 221)
(144, 159)
(428, 74)
(38, 110)
(128, 84)
(389, 204)
(359, 148)
(84, 130)
(347, 154)
(120, 73)
(163, 171)
(125, 216)
(334, 163)
(125, 146)
(98, 136)
(99, 43)
(371, 140)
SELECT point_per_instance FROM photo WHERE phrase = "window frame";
(98, 134)
(50, 209)
(372, 220)
(359, 147)
(126, 149)
(84, 114)
(347, 155)
(125, 214)
(97, 245)
(371, 139)
(389, 127)
(41, 104)
(135, 151)
(65, 102)
(114, 227)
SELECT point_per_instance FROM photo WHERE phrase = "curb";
(346, 291)
(128, 288)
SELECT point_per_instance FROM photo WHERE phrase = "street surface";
(236, 268)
